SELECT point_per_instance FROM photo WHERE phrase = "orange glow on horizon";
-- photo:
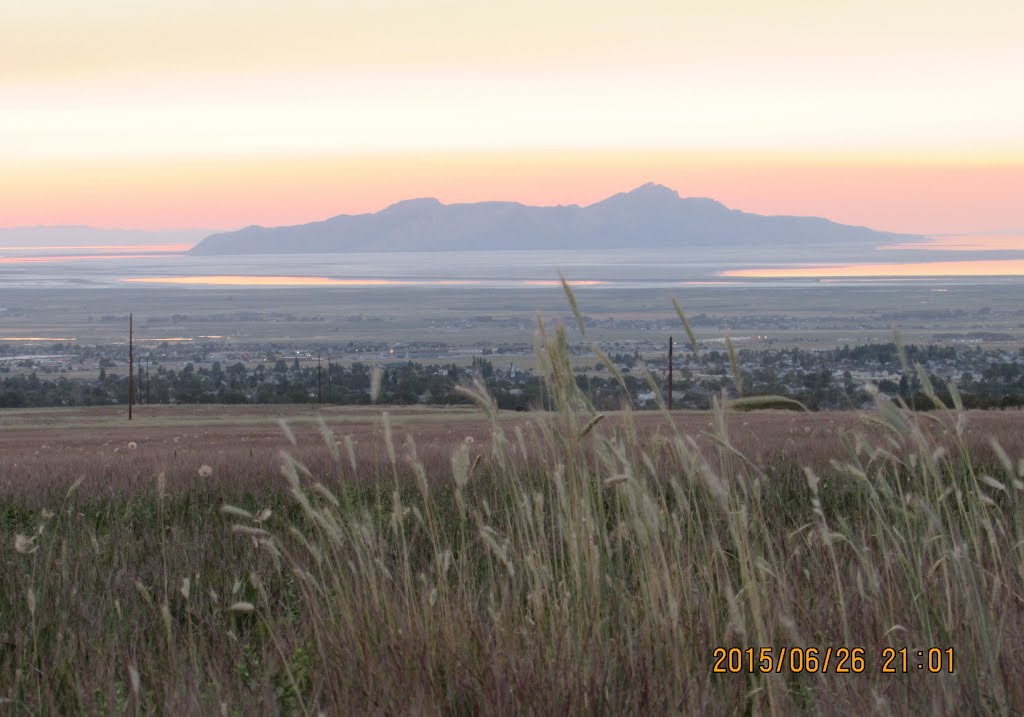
(227, 192)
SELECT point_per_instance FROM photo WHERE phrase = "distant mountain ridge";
(651, 217)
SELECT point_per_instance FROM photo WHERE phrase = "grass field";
(212, 560)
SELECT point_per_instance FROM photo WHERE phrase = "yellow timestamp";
(837, 660)
(934, 660)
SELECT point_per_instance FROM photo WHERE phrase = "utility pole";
(131, 364)
(147, 376)
(329, 377)
(319, 382)
(139, 378)
(670, 373)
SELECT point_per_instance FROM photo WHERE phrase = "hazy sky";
(905, 115)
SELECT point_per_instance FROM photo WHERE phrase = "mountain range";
(649, 217)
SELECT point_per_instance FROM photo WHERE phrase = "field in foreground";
(474, 562)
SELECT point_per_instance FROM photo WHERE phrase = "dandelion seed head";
(205, 471)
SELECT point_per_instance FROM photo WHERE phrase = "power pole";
(329, 394)
(670, 373)
(319, 382)
(131, 364)
(147, 377)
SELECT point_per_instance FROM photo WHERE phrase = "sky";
(903, 116)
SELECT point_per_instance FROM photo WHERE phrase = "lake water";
(644, 268)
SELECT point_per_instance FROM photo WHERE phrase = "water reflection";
(55, 258)
(965, 242)
(997, 267)
(233, 280)
(35, 338)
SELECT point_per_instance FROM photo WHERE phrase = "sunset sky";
(903, 116)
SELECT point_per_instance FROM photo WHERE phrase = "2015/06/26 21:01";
(893, 660)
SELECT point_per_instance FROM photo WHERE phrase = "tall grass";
(570, 564)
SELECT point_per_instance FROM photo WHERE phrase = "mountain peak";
(646, 195)
(412, 205)
(652, 189)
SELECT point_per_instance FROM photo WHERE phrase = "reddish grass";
(44, 452)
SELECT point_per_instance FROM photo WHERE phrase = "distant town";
(214, 371)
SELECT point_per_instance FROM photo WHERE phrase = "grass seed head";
(25, 544)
